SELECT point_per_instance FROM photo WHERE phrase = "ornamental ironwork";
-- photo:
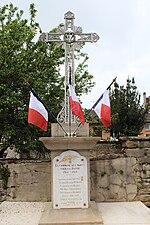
(71, 38)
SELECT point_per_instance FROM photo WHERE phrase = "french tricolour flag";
(75, 105)
(102, 109)
(37, 113)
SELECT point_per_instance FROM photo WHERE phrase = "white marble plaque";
(70, 181)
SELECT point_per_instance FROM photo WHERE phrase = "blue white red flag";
(75, 105)
(37, 113)
(102, 109)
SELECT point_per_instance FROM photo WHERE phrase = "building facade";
(146, 128)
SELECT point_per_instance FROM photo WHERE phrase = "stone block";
(103, 181)
(148, 152)
(138, 174)
(145, 144)
(101, 197)
(122, 194)
(146, 183)
(114, 189)
(131, 144)
(131, 190)
(138, 168)
(144, 159)
(148, 174)
(108, 195)
(143, 174)
(146, 166)
(137, 153)
(58, 144)
(32, 192)
(115, 179)
(56, 130)
(131, 197)
(123, 165)
(143, 198)
(138, 179)
(144, 191)
(1, 184)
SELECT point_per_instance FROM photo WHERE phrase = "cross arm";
(86, 37)
(51, 37)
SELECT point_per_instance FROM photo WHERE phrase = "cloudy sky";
(124, 29)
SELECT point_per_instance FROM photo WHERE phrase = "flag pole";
(31, 89)
(70, 114)
(95, 105)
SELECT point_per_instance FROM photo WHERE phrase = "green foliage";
(128, 115)
(96, 125)
(21, 59)
(84, 83)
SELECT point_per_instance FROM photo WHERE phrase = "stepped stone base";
(88, 216)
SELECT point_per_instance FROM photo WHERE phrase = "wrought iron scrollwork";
(71, 38)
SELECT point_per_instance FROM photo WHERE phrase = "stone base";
(82, 131)
(88, 216)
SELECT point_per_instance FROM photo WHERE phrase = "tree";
(128, 115)
(22, 58)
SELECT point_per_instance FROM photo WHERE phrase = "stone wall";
(29, 180)
(120, 171)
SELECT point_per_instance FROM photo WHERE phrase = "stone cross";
(71, 38)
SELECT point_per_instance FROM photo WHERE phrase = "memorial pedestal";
(70, 182)
(70, 170)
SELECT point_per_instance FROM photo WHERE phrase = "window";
(147, 126)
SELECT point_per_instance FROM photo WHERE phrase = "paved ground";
(125, 213)
(29, 213)
(21, 213)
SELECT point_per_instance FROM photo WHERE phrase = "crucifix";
(71, 38)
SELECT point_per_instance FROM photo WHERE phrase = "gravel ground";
(21, 213)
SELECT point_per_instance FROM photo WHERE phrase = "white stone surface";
(87, 216)
(120, 213)
(21, 213)
(70, 182)
(124, 213)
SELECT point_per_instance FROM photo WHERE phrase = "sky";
(124, 30)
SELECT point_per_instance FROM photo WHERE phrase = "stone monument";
(70, 163)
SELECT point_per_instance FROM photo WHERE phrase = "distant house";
(146, 128)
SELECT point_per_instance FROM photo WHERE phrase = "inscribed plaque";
(70, 182)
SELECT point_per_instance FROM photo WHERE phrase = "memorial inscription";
(70, 182)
